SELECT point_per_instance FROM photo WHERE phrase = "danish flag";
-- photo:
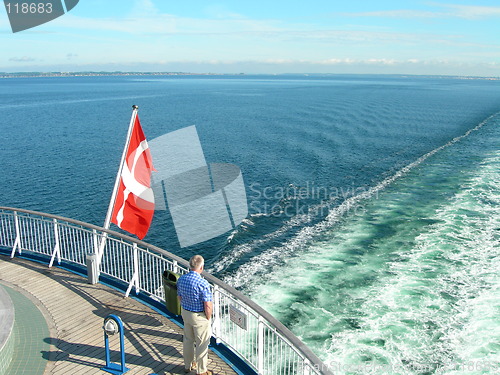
(134, 204)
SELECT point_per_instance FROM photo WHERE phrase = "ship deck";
(73, 340)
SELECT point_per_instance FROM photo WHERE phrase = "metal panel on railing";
(240, 324)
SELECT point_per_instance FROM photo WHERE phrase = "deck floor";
(75, 312)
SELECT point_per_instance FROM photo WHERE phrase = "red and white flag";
(134, 204)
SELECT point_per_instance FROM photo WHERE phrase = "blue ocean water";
(374, 201)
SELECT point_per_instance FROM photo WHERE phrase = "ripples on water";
(374, 201)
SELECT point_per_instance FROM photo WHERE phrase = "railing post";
(100, 250)
(175, 267)
(57, 250)
(17, 242)
(307, 367)
(135, 276)
(217, 306)
(260, 346)
(95, 241)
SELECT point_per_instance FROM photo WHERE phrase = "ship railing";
(250, 332)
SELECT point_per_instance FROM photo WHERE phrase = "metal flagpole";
(107, 221)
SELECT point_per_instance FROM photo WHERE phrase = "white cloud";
(402, 13)
(446, 11)
(471, 11)
(167, 24)
(219, 11)
(22, 59)
(369, 61)
(357, 36)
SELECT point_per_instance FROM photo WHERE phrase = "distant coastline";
(97, 74)
(120, 73)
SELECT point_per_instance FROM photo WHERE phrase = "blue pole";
(112, 367)
(122, 347)
(106, 346)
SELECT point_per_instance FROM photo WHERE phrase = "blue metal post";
(113, 368)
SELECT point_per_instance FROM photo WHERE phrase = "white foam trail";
(262, 262)
(432, 309)
(442, 324)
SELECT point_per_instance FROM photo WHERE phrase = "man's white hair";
(196, 262)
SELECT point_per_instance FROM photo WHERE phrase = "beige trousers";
(197, 333)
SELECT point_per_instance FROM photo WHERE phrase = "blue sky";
(274, 36)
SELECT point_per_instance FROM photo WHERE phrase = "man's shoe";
(206, 373)
(192, 368)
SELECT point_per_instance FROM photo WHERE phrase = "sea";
(373, 230)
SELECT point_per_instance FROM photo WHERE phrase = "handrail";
(260, 340)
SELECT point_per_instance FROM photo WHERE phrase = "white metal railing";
(239, 323)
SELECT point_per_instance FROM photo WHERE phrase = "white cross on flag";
(134, 204)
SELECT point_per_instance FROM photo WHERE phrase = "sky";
(439, 37)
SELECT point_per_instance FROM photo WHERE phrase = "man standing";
(196, 302)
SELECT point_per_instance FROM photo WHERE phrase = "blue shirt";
(193, 290)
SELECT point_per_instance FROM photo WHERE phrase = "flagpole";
(107, 221)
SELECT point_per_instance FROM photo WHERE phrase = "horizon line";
(36, 73)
